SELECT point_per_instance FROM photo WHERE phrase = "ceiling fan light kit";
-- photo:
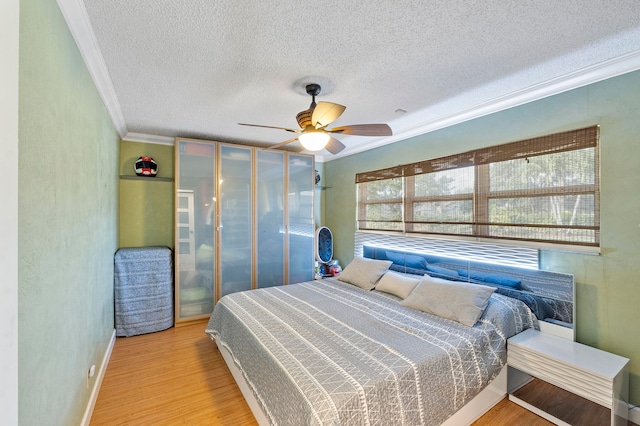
(313, 123)
(314, 140)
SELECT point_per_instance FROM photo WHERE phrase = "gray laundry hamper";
(143, 288)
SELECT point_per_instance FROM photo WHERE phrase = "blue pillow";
(504, 280)
(408, 260)
(443, 271)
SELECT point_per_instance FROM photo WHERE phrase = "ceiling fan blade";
(364, 130)
(278, 145)
(334, 146)
(324, 113)
(271, 127)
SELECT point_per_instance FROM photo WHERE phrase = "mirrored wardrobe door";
(300, 196)
(270, 232)
(194, 231)
(235, 223)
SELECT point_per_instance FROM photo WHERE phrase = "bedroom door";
(185, 230)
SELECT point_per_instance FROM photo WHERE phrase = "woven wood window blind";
(544, 189)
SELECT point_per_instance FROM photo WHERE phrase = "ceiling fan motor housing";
(304, 118)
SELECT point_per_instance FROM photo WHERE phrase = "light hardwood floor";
(178, 377)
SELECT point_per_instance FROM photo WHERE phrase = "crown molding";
(145, 138)
(75, 14)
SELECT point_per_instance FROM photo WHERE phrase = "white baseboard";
(86, 419)
(634, 415)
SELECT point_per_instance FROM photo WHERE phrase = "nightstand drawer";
(564, 375)
(590, 373)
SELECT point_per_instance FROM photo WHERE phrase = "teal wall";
(608, 286)
(67, 194)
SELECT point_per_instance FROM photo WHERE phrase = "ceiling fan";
(313, 132)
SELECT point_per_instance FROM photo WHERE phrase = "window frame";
(364, 202)
(482, 195)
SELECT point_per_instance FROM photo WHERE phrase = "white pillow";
(364, 272)
(396, 284)
(457, 301)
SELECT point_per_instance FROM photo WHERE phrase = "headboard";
(550, 295)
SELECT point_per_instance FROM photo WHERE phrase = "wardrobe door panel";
(270, 203)
(301, 228)
(236, 221)
(194, 231)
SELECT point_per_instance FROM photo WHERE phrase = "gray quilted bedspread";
(329, 353)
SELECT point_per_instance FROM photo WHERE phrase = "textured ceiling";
(196, 68)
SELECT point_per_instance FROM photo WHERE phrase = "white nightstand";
(590, 373)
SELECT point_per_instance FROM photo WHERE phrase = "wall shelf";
(155, 178)
(322, 188)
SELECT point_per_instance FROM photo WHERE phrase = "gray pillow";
(456, 301)
(396, 284)
(364, 272)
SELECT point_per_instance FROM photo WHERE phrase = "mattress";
(326, 352)
(143, 290)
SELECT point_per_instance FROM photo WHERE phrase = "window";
(380, 205)
(544, 189)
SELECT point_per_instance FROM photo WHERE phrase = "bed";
(331, 352)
